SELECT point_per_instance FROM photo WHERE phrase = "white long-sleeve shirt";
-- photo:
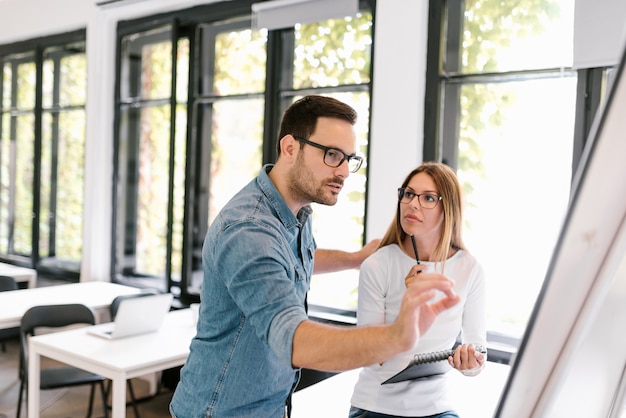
(381, 287)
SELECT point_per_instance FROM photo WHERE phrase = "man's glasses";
(426, 201)
(334, 157)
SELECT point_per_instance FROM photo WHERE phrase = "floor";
(70, 402)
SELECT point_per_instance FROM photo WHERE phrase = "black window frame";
(277, 96)
(39, 50)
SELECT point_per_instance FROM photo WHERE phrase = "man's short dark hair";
(301, 117)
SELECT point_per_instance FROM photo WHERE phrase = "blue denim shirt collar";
(278, 202)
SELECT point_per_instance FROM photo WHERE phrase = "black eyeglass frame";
(403, 190)
(324, 148)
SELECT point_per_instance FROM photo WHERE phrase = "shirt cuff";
(282, 331)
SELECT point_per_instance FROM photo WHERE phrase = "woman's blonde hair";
(449, 189)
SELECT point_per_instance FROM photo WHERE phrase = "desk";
(476, 397)
(20, 274)
(96, 295)
(117, 360)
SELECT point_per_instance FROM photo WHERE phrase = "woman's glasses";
(426, 200)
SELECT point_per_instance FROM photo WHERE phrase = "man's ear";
(289, 147)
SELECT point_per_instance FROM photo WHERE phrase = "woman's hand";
(467, 360)
(414, 274)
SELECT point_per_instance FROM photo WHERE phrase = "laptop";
(135, 316)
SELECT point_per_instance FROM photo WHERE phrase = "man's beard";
(305, 187)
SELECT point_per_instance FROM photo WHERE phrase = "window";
(334, 58)
(42, 139)
(151, 154)
(507, 105)
(230, 147)
(229, 84)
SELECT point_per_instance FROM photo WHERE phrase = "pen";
(417, 258)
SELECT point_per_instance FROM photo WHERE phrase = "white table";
(96, 295)
(117, 360)
(20, 274)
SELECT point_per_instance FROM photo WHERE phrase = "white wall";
(397, 104)
(397, 112)
(25, 19)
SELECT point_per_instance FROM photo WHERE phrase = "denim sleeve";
(264, 279)
(282, 332)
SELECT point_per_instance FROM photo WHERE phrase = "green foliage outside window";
(493, 30)
(334, 52)
(240, 58)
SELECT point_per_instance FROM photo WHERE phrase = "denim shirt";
(257, 261)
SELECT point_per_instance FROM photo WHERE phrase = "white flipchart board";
(572, 358)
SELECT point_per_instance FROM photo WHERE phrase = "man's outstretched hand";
(417, 313)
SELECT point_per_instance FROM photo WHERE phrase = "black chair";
(115, 304)
(56, 316)
(8, 283)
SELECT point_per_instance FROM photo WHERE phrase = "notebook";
(427, 365)
(135, 316)
(419, 370)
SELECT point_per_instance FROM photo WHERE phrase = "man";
(253, 331)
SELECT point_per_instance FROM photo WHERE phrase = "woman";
(429, 211)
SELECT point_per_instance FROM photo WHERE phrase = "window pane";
(26, 78)
(5, 183)
(235, 158)
(501, 36)
(70, 185)
(341, 226)
(7, 75)
(515, 156)
(147, 65)
(182, 70)
(152, 186)
(337, 53)
(24, 184)
(73, 80)
(240, 58)
(332, 53)
(236, 146)
(156, 74)
(180, 144)
(46, 212)
(48, 84)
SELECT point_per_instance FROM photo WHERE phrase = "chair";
(56, 316)
(8, 283)
(115, 304)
